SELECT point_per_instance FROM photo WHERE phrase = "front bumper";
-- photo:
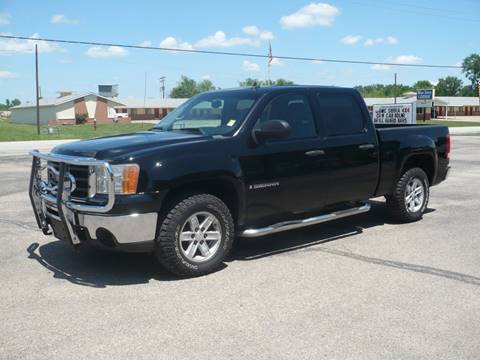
(77, 222)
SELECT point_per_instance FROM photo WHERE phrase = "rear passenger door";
(349, 144)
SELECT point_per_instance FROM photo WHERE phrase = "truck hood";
(111, 147)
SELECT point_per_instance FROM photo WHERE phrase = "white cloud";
(380, 67)
(146, 43)
(317, 62)
(172, 43)
(62, 19)
(5, 18)
(406, 59)
(250, 66)
(314, 14)
(390, 40)
(4, 74)
(101, 52)
(11, 46)
(276, 62)
(266, 35)
(251, 30)
(206, 77)
(254, 31)
(351, 39)
(219, 39)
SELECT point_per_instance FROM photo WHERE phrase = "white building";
(443, 106)
(63, 109)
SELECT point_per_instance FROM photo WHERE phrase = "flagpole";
(270, 58)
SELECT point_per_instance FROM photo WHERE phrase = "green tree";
(422, 84)
(468, 90)
(15, 102)
(450, 86)
(7, 103)
(185, 88)
(248, 82)
(205, 85)
(380, 90)
(471, 68)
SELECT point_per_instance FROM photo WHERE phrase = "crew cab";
(235, 163)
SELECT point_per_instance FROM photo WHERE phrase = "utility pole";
(37, 88)
(145, 95)
(395, 90)
(162, 86)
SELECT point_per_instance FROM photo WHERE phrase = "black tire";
(397, 203)
(168, 245)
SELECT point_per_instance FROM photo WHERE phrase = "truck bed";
(397, 140)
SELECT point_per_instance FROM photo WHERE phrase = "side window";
(340, 114)
(205, 113)
(294, 109)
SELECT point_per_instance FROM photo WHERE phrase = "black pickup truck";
(235, 163)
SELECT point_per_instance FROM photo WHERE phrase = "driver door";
(280, 175)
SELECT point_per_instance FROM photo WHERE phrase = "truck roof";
(269, 89)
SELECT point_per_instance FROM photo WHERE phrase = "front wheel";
(195, 236)
(410, 197)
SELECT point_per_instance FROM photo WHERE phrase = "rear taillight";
(448, 147)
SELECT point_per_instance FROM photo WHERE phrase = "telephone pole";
(162, 85)
(37, 89)
(395, 90)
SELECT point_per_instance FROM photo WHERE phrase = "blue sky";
(420, 31)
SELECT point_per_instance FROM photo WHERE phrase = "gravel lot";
(357, 288)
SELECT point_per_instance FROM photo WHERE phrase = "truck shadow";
(278, 244)
(97, 268)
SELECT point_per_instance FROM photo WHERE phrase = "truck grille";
(79, 173)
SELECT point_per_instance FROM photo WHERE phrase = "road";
(358, 288)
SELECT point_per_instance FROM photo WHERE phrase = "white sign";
(394, 114)
(424, 104)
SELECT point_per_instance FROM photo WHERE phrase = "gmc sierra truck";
(235, 163)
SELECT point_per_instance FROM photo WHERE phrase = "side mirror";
(272, 129)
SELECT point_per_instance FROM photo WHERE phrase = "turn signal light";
(130, 179)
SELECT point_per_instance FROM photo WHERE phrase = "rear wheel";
(410, 197)
(195, 236)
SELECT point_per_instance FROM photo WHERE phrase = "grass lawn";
(19, 132)
(449, 123)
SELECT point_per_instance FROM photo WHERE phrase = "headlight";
(125, 178)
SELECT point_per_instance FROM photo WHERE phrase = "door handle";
(366, 146)
(315, 153)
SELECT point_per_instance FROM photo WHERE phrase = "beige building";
(63, 109)
(148, 109)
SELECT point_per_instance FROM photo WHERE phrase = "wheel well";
(424, 162)
(222, 189)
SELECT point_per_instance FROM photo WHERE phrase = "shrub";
(81, 118)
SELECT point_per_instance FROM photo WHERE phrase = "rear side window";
(341, 114)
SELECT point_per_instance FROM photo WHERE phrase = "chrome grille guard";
(41, 195)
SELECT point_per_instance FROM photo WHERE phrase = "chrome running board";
(294, 224)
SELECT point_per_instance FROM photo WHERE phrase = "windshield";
(218, 113)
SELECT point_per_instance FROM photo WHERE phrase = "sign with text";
(394, 114)
(426, 94)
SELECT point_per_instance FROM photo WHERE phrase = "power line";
(423, 13)
(211, 52)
